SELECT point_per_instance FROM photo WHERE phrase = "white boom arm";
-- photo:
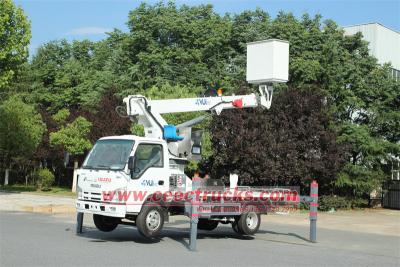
(148, 112)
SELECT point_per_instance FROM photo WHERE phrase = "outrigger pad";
(170, 133)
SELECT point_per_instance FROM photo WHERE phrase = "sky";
(90, 19)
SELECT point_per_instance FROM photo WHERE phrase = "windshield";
(109, 154)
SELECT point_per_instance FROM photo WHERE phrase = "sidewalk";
(370, 221)
(26, 202)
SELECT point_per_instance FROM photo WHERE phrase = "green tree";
(73, 138)
(186, 45)
(15, 35)
(21, 130)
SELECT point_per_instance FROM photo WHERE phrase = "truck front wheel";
(105, 223)
(150, 221)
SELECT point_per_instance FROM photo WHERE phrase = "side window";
(146, 156)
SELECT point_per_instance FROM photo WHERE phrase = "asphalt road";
(29, 239)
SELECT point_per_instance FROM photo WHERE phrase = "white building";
(384, 43)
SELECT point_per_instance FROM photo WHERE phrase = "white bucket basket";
(267, 62)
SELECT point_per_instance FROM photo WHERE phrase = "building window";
(395, 74)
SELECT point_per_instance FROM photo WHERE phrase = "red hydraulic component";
(237, 103)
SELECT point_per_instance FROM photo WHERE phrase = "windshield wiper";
(103, 167)
(87, 167)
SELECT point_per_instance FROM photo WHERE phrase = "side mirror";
(131, 163)
(132, 167)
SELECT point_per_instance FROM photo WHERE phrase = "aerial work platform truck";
(141, 180)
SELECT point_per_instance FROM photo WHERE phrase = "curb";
(53, 209)
(49, 209)
(46, 209)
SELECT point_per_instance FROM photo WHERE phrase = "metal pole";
(194, 215)
(194, 219)
(313, 211)
(79, 222)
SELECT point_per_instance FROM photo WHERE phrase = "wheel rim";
(153, 220)
(251, 220)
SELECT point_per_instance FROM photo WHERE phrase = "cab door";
(150, 172)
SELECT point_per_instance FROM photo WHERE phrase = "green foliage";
(73, 136)
(18, 188)
(45, 179)
(185, 45)
(357, 180)
(15, 34)
(21, 130)
(61, 116)
(167, 91)
(206, 145)
(137, 129)
(192, 167)
(326, 203)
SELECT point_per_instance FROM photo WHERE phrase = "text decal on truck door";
(148, 183)
(107, 180)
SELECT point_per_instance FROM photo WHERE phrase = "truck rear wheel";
(205, 224)
(249, 222)
(105, 223)
(150, 221)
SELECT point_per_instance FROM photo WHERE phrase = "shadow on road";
(285, 234)
(181, 235)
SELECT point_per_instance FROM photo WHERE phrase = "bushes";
(45, 179)
(326, 203)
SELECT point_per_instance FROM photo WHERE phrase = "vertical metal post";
(194, 219)
(313, 211)
(194, 215)
(79, 222)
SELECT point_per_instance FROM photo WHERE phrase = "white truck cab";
(105, 174)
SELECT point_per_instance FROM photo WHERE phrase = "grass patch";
(55, 190)
(18, 188)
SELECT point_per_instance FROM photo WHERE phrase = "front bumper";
(101, 208)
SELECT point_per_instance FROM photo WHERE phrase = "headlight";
(79, 192)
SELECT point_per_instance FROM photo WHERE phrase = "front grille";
(92, 196)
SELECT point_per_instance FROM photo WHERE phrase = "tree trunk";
(7, 173)
(74, 179)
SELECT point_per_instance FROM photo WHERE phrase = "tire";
(150, 221)
(235, 226)
(205, 224)
(105, 223)
(249, 222)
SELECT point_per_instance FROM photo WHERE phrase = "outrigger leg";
(79, 222)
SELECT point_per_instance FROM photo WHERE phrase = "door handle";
(160, 182)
